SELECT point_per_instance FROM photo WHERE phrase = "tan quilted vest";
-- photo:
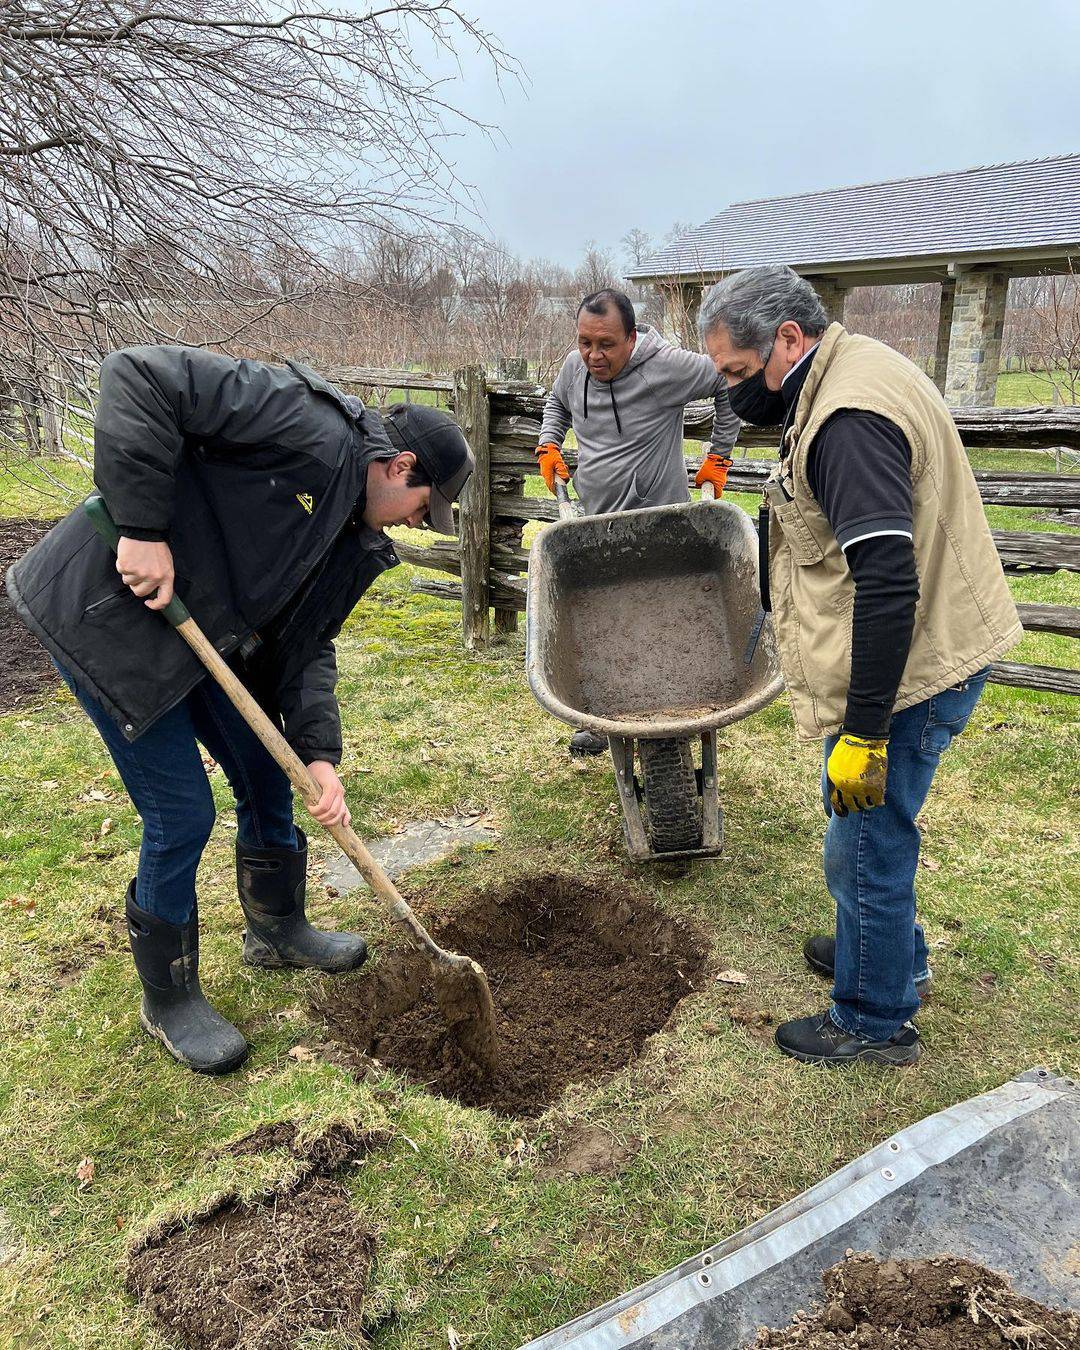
(965, 617)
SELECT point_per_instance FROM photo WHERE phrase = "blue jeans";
(166, 779)
(871, 858)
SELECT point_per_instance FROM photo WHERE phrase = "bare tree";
(597, 270)
(637, 244)
(1052, 337)
(183, 171)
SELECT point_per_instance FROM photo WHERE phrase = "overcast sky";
(652, 111)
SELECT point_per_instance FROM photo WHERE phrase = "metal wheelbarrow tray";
(638, 625)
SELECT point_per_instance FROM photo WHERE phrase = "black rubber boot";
(820, 953)
(584, 743)
(174, 1008)
(270, 882)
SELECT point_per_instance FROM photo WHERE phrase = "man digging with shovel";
(260, 494)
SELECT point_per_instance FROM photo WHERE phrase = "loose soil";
(265, 1273)
(25, 669)
(587, 1151)
(581, 974)
(945, 1303)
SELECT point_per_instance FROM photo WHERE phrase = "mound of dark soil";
(264, 1273)
(323, 1153)
(580, 973)
(260, 1274)
(942, 1304)
(25, 669)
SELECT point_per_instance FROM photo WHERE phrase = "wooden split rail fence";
(501, 421)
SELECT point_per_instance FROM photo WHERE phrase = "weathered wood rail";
(501, 420)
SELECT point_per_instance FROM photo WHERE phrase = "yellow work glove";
(856, 772)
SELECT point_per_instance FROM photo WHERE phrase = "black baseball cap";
(442, 451)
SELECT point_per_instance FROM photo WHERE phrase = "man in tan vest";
(889, 605)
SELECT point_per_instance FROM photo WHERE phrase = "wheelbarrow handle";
(562, 496)
(708, 492)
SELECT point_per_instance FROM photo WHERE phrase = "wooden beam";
(524, 508)
(473, 415)
(501, 589)
(372, 377)
(985, 429)
(1063, 619)
(1049, 679)
(1027, 551)
(445, 556)
(997, 487)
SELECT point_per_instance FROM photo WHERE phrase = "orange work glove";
(714, 470)
(552, 465)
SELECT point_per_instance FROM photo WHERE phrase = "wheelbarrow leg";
(712, 818)
(622, 755)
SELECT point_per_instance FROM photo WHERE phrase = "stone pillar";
(975, 339)
(832, 296)
(944, 328)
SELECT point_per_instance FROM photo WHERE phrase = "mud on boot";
(271, 885)
(174, 1008)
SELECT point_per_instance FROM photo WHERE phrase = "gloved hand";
(552, 465)
(714, 470)
(856, 771)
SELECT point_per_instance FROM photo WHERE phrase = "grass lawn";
(1020, 388)
(473, 1233)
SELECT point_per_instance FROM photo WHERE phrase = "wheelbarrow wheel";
(672, 802)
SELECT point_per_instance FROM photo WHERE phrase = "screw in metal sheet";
(894, 1147)
(705, 1279)
(888, 1173)
(707, 1260)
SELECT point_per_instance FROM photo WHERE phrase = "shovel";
(461, 987)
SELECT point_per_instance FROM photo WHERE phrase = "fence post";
(514, 368)
(508, 532)
(474, 417)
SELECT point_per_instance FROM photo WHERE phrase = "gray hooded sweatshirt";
(630, 429)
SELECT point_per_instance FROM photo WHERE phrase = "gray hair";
(753, 304)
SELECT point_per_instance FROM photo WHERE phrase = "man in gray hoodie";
(623, 391)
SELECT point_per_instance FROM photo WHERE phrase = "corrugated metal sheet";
(1029, 205)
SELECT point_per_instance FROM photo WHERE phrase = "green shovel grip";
(175, 611)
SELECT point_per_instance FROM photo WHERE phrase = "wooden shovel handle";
(290, 762)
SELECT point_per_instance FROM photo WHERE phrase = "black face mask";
(753, 401)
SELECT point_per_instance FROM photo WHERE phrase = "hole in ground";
(581, 974)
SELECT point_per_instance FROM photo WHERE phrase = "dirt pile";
(267, 1272)
(581, 975)
(25, 669)
(945, 1303)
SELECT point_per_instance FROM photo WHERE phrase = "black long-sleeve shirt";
(859, 470)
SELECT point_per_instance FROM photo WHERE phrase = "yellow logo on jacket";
(307, 501)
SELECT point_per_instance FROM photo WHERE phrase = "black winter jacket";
(256, 476)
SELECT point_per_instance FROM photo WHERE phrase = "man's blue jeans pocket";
(948, 712)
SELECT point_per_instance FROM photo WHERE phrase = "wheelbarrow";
(646, 627)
